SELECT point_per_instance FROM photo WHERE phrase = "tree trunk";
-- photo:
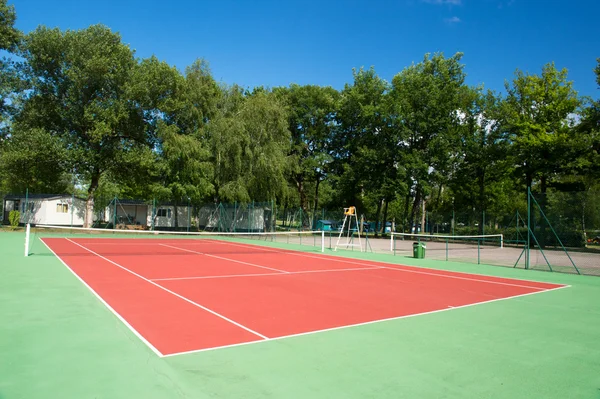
(405, 218)
(316, 200)
(377, 216)
(89, 205)
(303, 199)
(385, 213)
(413, 212)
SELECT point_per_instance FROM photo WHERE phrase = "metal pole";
(483, 225)
(189, 216)
(72, 205)
(115, 213)
(26, 210)
(153, 213)
(527, 254)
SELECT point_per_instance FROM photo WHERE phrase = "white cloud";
(450, 2)
(453, 20)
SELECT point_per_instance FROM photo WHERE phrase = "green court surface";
(57, 340)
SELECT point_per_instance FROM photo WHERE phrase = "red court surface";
(182, 296)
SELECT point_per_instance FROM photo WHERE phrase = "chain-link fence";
(564, 227)
(564, 232)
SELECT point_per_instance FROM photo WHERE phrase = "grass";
(59, 341)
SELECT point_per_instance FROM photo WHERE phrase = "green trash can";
(419, 250)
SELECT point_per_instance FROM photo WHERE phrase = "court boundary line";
(392, 266)
(227, 259)
(265, 274)
(110, 308)
(365, 323)
(175, 294)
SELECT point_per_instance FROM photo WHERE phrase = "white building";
(52, 209)
(139, 213)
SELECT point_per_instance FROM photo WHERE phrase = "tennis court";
(187, 295)
(231, 317)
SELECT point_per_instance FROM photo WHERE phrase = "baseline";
(367, 323)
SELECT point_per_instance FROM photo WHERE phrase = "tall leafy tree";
(10, 83)
(361, 142)
(427, 98)
(482, 165)
(176, 109)
(80, 93)
(9, 35)
(311, 118)
(33, 159)
(248, 139)
(537, 114)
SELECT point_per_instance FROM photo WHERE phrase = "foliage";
(13, 218)
(536, 115)
(311, 122)
(427, 97)
(33, 159)
(249, 140)
(9, 35)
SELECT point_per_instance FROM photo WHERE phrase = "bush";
(13, 218)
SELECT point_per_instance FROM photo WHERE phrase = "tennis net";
(475, 248)
(144, 242)
(398, 240)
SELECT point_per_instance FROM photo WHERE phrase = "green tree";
(33, 159)
(427, 100)
(9, 35)
(10, 82)
(176, 108)
(364, 146)
(248, 140)
(311, 121)
(477, 180)
(536, 114)
(80, 92)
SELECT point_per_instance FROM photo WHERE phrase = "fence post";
(153, 215)
(528, 227)
(115, 213)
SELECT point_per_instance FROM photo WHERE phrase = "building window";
(29, 207)
(164, 212)
(62, 208)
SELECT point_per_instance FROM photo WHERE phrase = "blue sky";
(275, 43)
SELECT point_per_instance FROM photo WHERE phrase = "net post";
(322, 240)
(446, 249)
(501, 240)
(27, 234)
(392, 241)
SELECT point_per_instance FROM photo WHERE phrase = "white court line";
(228, 259)
(266, 274)
(133, 330)
(366, 323)
(173, 293)
(398, 268)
